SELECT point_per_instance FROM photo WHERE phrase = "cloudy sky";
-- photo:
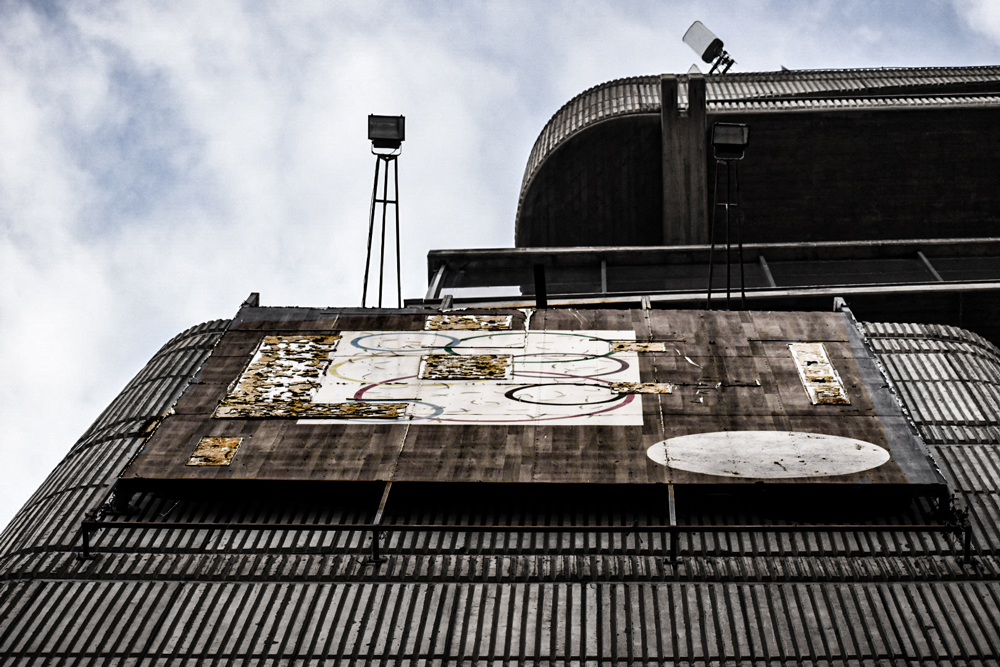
(159, 161)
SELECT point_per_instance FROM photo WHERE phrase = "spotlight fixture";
(704, 42)
(386, 131)
(730, 140)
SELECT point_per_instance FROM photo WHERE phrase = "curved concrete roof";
(641, 94)
(806, 90)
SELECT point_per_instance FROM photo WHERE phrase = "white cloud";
(159, 161)
(982, 16)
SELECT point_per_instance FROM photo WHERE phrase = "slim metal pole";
(541, 294)
(674, 537)
(711, 237)
(377, 556)
(86, 542)
(966, 540)
(381, 258)
(395, 199)
(728, 244)
(371, 231)
(739, 237)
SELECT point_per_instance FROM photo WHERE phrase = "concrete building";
(560, 454)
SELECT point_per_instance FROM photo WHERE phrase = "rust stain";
(305, 410)
(634, 346)
(213, 451)
(468, 322)
(820, 379)
(642, 387)
(465, 367)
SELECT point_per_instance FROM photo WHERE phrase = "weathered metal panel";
(705, 371)
(213, 451)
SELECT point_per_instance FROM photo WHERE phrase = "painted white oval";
(767, 454)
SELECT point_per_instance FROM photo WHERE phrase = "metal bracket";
(376, 558)
(87, 526)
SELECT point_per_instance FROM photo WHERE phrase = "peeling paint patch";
(213, 451)
(820, 379)
(465, 367)
(468, 322)
(281, 378)
(285, 368)
(634, 346)
(642, 388)
(303, 410)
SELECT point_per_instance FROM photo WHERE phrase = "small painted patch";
(465, 367)
(213, 451)
(468, 322)
(642, 388)
(820, 379)
(636, 346)
(768, 454)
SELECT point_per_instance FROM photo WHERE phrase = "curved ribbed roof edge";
(89, 469)
(636, 94)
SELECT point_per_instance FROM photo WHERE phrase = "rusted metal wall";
(172, 597)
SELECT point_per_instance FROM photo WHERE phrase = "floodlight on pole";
(730, 140)
(386, 134)
(709, 47)
(729, 145)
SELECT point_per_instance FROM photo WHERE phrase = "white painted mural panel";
(510, 377)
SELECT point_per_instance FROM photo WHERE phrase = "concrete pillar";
(685, 162)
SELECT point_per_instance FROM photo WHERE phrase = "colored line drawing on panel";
(559, 377)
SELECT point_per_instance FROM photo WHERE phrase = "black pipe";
(376, 556)
(395, 198)
(711, 237)
(381, 258)
(371, 231)
(729, 245)
(966, 541)
(85, 555)
(547, 528)
(541, 297)
(739, 238)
